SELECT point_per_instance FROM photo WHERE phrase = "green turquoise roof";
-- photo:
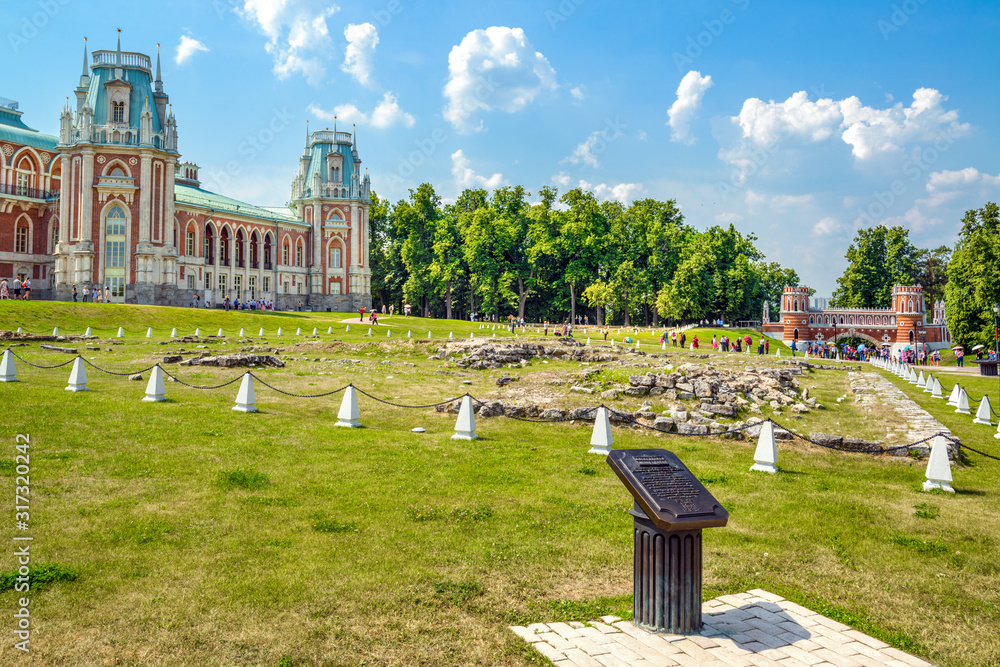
(13, 130)
(142, 90)
(192, 196)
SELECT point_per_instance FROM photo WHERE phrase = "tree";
(932, 272)
(974, 277)
(448, 263)
(773, 280)
(689, 295)
(879, 258)
(415, 222)
(583, 242)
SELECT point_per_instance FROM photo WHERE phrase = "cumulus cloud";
(385, 114)
(187, 47)
(585, 152)
(869, 131)
(622, 192)
(361, 42)
(297, 35)
(493, 69)
(579, 93)
(684, 109)
(829, 227)
(561, 179)
(757, 200)
(943, 186)
(913, 219)
(466, 177)
(727, 218)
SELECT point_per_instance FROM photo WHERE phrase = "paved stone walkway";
(753, 628)
(872, 388)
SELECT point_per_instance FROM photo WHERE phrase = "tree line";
(497, 254)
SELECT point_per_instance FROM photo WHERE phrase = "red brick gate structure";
(904, 323)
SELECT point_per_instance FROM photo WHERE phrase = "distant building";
(110, 203)
(902, 324)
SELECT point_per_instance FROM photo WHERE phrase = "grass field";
(183, 533)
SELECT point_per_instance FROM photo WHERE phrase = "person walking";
(960, 357)
(605, 334)
(767, 346)
(4, 294)
(74, 293)
(86, 293)
(107, 294)
(546, 324)
(17, 288)
(26, 288)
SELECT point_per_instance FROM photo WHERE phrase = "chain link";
(194, 386)
(420, 407)
(22, 359)
(104, 370)
(287, 393)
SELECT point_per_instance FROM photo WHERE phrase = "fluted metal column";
(667, 578)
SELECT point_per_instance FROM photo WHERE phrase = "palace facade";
(109, 202)
(903, 324)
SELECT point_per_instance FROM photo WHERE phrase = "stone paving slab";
(749, 629)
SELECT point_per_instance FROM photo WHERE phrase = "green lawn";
(202, 536)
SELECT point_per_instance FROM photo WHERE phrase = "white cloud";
(829, 227)
(388, 112)
(465, 177)
(642, 135)
(385, 114)
(493, 69)
(585, 152)
(755, 200)
(361, 42)
(684, 109)
(562, 179)
(945, 185)
(187, 47)
(913, 219)
(579, 93)
(297, 35)
(623, 192)
(869, 131)
(727, 218)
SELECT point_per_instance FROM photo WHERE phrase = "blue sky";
(797, 122)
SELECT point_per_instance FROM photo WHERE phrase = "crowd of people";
(20, 291)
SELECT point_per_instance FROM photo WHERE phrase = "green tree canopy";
(878, 258)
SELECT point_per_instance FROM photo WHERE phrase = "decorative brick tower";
(795, 313)
(908, 304)
(119, 155)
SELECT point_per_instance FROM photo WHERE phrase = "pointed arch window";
(117, 112)
(21, 237)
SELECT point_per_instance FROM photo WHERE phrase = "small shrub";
(587, 470)
(720, 479)
(937, 547)
(40, 575)
(926, 511)
(478, 513)
(242, 479)
(425, 513)
(334, 526)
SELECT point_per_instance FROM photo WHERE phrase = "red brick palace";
(904, 323)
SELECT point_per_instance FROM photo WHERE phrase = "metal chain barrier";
(104, 370)
(400, 405)
(587, 414)
(287, 393)
(194, 386)
(22, 359)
